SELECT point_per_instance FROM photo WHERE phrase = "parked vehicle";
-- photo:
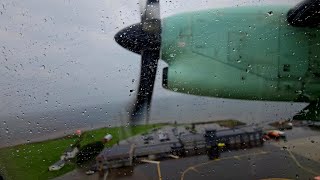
(274, 134)
(89, 172)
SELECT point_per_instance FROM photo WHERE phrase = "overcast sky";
(62, 52)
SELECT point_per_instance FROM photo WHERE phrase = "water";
(180, 108)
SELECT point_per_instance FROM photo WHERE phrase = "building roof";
(192, 137)
(116, 152)
(236, 131)
(154, 149)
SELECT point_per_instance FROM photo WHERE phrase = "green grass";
(31, 161)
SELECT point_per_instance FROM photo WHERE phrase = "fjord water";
(37, 126)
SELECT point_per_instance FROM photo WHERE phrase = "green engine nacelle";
(241, 53)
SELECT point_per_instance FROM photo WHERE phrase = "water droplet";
(30, 131)
(4, 122)
(43, 67)
(7, 130)
(172, 55)
(46, 101)
(175, 89)
(270, 13)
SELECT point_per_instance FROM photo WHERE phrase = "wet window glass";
(158, 89)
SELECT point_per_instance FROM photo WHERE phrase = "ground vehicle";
(274, 134)
(89, 172)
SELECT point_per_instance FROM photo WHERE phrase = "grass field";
(31, 161)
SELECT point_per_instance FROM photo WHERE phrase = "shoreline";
(63, 133)
(52, 136)
(58, 135)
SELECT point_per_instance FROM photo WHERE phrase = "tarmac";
(259, 163)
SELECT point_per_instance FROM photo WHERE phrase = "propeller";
(144, 38)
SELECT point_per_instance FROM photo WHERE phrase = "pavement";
(259, 163)
(307, 147)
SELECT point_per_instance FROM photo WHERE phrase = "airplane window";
(158, 89)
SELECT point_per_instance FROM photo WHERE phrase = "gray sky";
(62, 52)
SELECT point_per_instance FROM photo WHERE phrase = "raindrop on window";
(270, 13)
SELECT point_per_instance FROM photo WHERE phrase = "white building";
(57, 166)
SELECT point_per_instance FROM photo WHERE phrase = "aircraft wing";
(305, 14)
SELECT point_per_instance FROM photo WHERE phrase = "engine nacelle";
(209, 81)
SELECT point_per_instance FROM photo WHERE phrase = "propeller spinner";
(144, 38)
